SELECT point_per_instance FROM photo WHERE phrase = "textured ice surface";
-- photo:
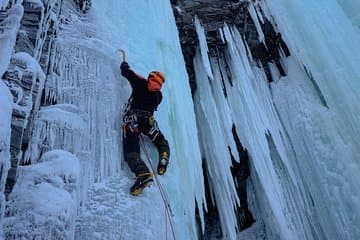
(321, 111)
(5, 122)
(8, 30)
(58, 126)
(203, 47)
(43, 202)
(87, 75)
(3, 3)
(302, 133)
(112, 213)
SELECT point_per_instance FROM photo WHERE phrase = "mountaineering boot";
(142, 180)
(245, 218)
(163, 162)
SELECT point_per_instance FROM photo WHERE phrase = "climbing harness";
(161, 190)
(131, 121)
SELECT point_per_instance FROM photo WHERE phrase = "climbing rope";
(161, 190)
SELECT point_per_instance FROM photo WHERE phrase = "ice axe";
(123, 54)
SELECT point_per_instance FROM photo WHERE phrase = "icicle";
(53, 129)
(214, 133)
(8, 30)
(255, 18)
(203, 47)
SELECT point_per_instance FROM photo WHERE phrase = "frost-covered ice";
(203, 47)
(8, 30)
(324, 125)
(43, 201)
(57, 126)
(302, 133)
(218, 159)
(175, 115)
(5, 122)
(3, 3)
(86, 75)
(249, 107)
(112, 211)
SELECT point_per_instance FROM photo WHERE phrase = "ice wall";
(5, 121)
(247, 105)
(81, 65)
(301, 131)
(149, 49)
(84, 80)
(324, 128)
(85, 119)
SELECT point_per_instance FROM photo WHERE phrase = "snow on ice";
(5, 122)
(301, 131)
(44, 198)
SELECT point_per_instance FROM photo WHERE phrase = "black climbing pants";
(136, 123)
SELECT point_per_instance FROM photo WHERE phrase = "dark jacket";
(142, 98)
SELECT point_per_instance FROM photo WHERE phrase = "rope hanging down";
(161, 190)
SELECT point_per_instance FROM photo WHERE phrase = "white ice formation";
(301, 130)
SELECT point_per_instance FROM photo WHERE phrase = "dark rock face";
(212, 15)
(35, 39)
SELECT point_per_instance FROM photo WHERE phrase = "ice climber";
(139, 119)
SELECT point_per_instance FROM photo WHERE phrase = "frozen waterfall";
(62, 99)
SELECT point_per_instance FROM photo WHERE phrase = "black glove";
(124, 66)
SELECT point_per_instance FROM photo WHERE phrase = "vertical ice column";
(249, 103)
(85, 77)
(5, 122)
(59, 126)
(82, 74)
(323, 161)
(203, 47)
(8, 30)
(255, 118)
(213, 137)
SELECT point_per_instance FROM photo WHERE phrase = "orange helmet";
(155, 80)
